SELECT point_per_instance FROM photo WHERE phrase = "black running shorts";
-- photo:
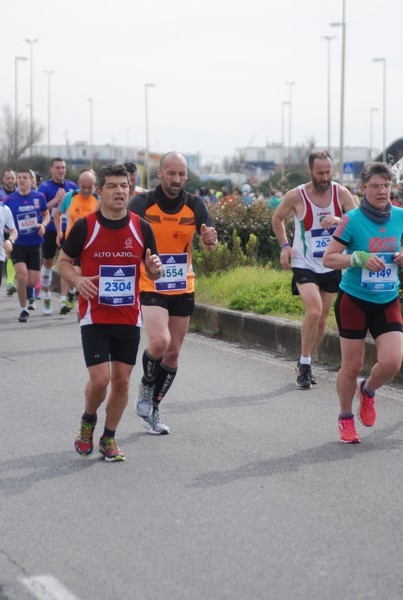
(104, 343)
(30, 255)
(49, 246)
(177, 305)
(327, 282)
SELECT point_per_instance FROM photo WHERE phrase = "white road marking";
(47, 587)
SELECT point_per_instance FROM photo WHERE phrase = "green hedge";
(245, 236)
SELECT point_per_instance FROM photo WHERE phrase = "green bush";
(222, 259)
(247, 220)
(254, 289)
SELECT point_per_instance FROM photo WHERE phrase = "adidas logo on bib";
(119, 273)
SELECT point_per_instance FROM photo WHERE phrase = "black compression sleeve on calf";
(163, 381)
(150, 366)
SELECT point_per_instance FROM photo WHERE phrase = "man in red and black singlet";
(111, 244)
(167, 304)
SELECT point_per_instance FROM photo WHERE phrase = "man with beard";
(317, 207)
(167, 304)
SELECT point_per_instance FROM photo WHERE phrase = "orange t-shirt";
(80, 207)
(173, 227)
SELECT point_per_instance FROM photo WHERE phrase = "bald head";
(86, 183)
(176, 156)
(172, 174)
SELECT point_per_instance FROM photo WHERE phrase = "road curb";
(280, 336)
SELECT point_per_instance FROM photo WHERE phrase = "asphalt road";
(251, 496)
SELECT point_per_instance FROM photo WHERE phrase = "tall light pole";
(290, 84)
(283, 104)
(371, 130)
(91, 131)
(49, 74)
(328, 38)
(342, 86)
(146, 158)
(31, 92)
(17, 59)
(383, 61)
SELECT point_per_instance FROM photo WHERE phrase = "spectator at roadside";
(274, 201)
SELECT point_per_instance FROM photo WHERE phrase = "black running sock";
(108, 433)
(346, 415)
(367, 392)
(150, 366)
(89, 418)
(163, 381)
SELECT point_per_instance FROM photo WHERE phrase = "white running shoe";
(46, 308)
(154, 424)
(143, 402)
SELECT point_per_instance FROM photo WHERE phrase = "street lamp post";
(91, 130)
(328, 38)
(31, 93)
(371, 130)
(283, 104)
(342, 86)
(17, 59)
(383, 61)
(290, 84)
(146, 158)
(48, 73)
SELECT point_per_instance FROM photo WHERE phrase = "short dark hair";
(376, 168)
(131, 167)
(56, 159)
(25, 171)
(321, 154)
(39, 177)
(111, 170)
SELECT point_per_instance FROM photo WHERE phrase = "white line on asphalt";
(47, 587)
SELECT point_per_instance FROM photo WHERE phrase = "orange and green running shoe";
(83, 442)
(110, 450)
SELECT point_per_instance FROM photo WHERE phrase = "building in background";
(250, 163)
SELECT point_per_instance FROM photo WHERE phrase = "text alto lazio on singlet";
(114, 255)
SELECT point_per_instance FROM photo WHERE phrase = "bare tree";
(302, 153)
(15, 136)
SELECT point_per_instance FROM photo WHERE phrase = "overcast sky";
(219, 68)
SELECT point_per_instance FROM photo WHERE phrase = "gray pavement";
(250, 497)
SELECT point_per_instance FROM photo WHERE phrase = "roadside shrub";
(253, 289)
(222, 259)
(247, 220)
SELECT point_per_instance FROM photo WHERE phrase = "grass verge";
(259, 290)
